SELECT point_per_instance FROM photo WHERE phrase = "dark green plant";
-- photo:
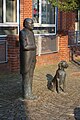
(66, 5)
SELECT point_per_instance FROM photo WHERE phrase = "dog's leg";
(54, 86)
(64, 86)
(58, 85)
(64, 83)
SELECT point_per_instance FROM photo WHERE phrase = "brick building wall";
(13, 52)
(66, 22)
(25, 10)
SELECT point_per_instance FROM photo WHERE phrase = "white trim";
(39, 45)
(40, 11)
(49, 52)
(44, 25)
(8, 24)
(4, 11)
(76, 26)
(18, 15)
(45, 34)
(3, 35)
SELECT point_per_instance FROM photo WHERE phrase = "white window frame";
(45, 25)
(9, 24)
(79, 20)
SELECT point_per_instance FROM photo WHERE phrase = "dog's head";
(62, 64)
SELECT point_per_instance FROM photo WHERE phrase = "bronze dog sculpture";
(57, 83)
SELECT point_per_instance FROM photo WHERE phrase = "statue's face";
(64, 64)
(28, 23)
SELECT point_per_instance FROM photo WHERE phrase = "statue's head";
(63, 64)
(28, 23)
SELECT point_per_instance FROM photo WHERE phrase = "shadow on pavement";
(12, 107)
(77, 113)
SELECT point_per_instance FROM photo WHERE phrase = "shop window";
(9, 23)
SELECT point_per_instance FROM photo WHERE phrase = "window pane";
(36, 11)
(46, 44)
(11, 10)
(44, 30)
(49, 44)
(2, 50)
(48, 13)
(8, 30)
(0, 11)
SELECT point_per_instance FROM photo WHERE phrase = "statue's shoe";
(31, 97)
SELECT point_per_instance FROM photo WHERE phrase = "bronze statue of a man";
(27, 57)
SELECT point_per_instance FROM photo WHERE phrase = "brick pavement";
(49, 106)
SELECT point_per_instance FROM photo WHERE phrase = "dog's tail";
(50, 82)
(49, 77)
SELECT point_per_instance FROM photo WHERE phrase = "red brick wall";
(13, 52)
(66, 21)
(63, 48)
(48, 59)
(25, 10)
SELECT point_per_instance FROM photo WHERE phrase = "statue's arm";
(24, 42)
(30, 47)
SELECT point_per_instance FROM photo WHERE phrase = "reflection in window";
(49, 44)
(36, 11)
(8, 14)
(48, 11)
(11, 10)
(46, 44)
(44, 30)
(0, 11)
(44, 26)
(8, 30)
(43, 12)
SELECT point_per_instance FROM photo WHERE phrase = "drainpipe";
(61, 20)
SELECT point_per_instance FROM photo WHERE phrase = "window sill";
(8, 24)
(44, 25)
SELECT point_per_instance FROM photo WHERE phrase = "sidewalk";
(49, 106)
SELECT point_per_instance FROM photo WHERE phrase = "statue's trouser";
(27, 80)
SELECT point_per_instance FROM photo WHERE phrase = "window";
(11, 11)
(44, 16)
(3, 50)
(9, 17)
